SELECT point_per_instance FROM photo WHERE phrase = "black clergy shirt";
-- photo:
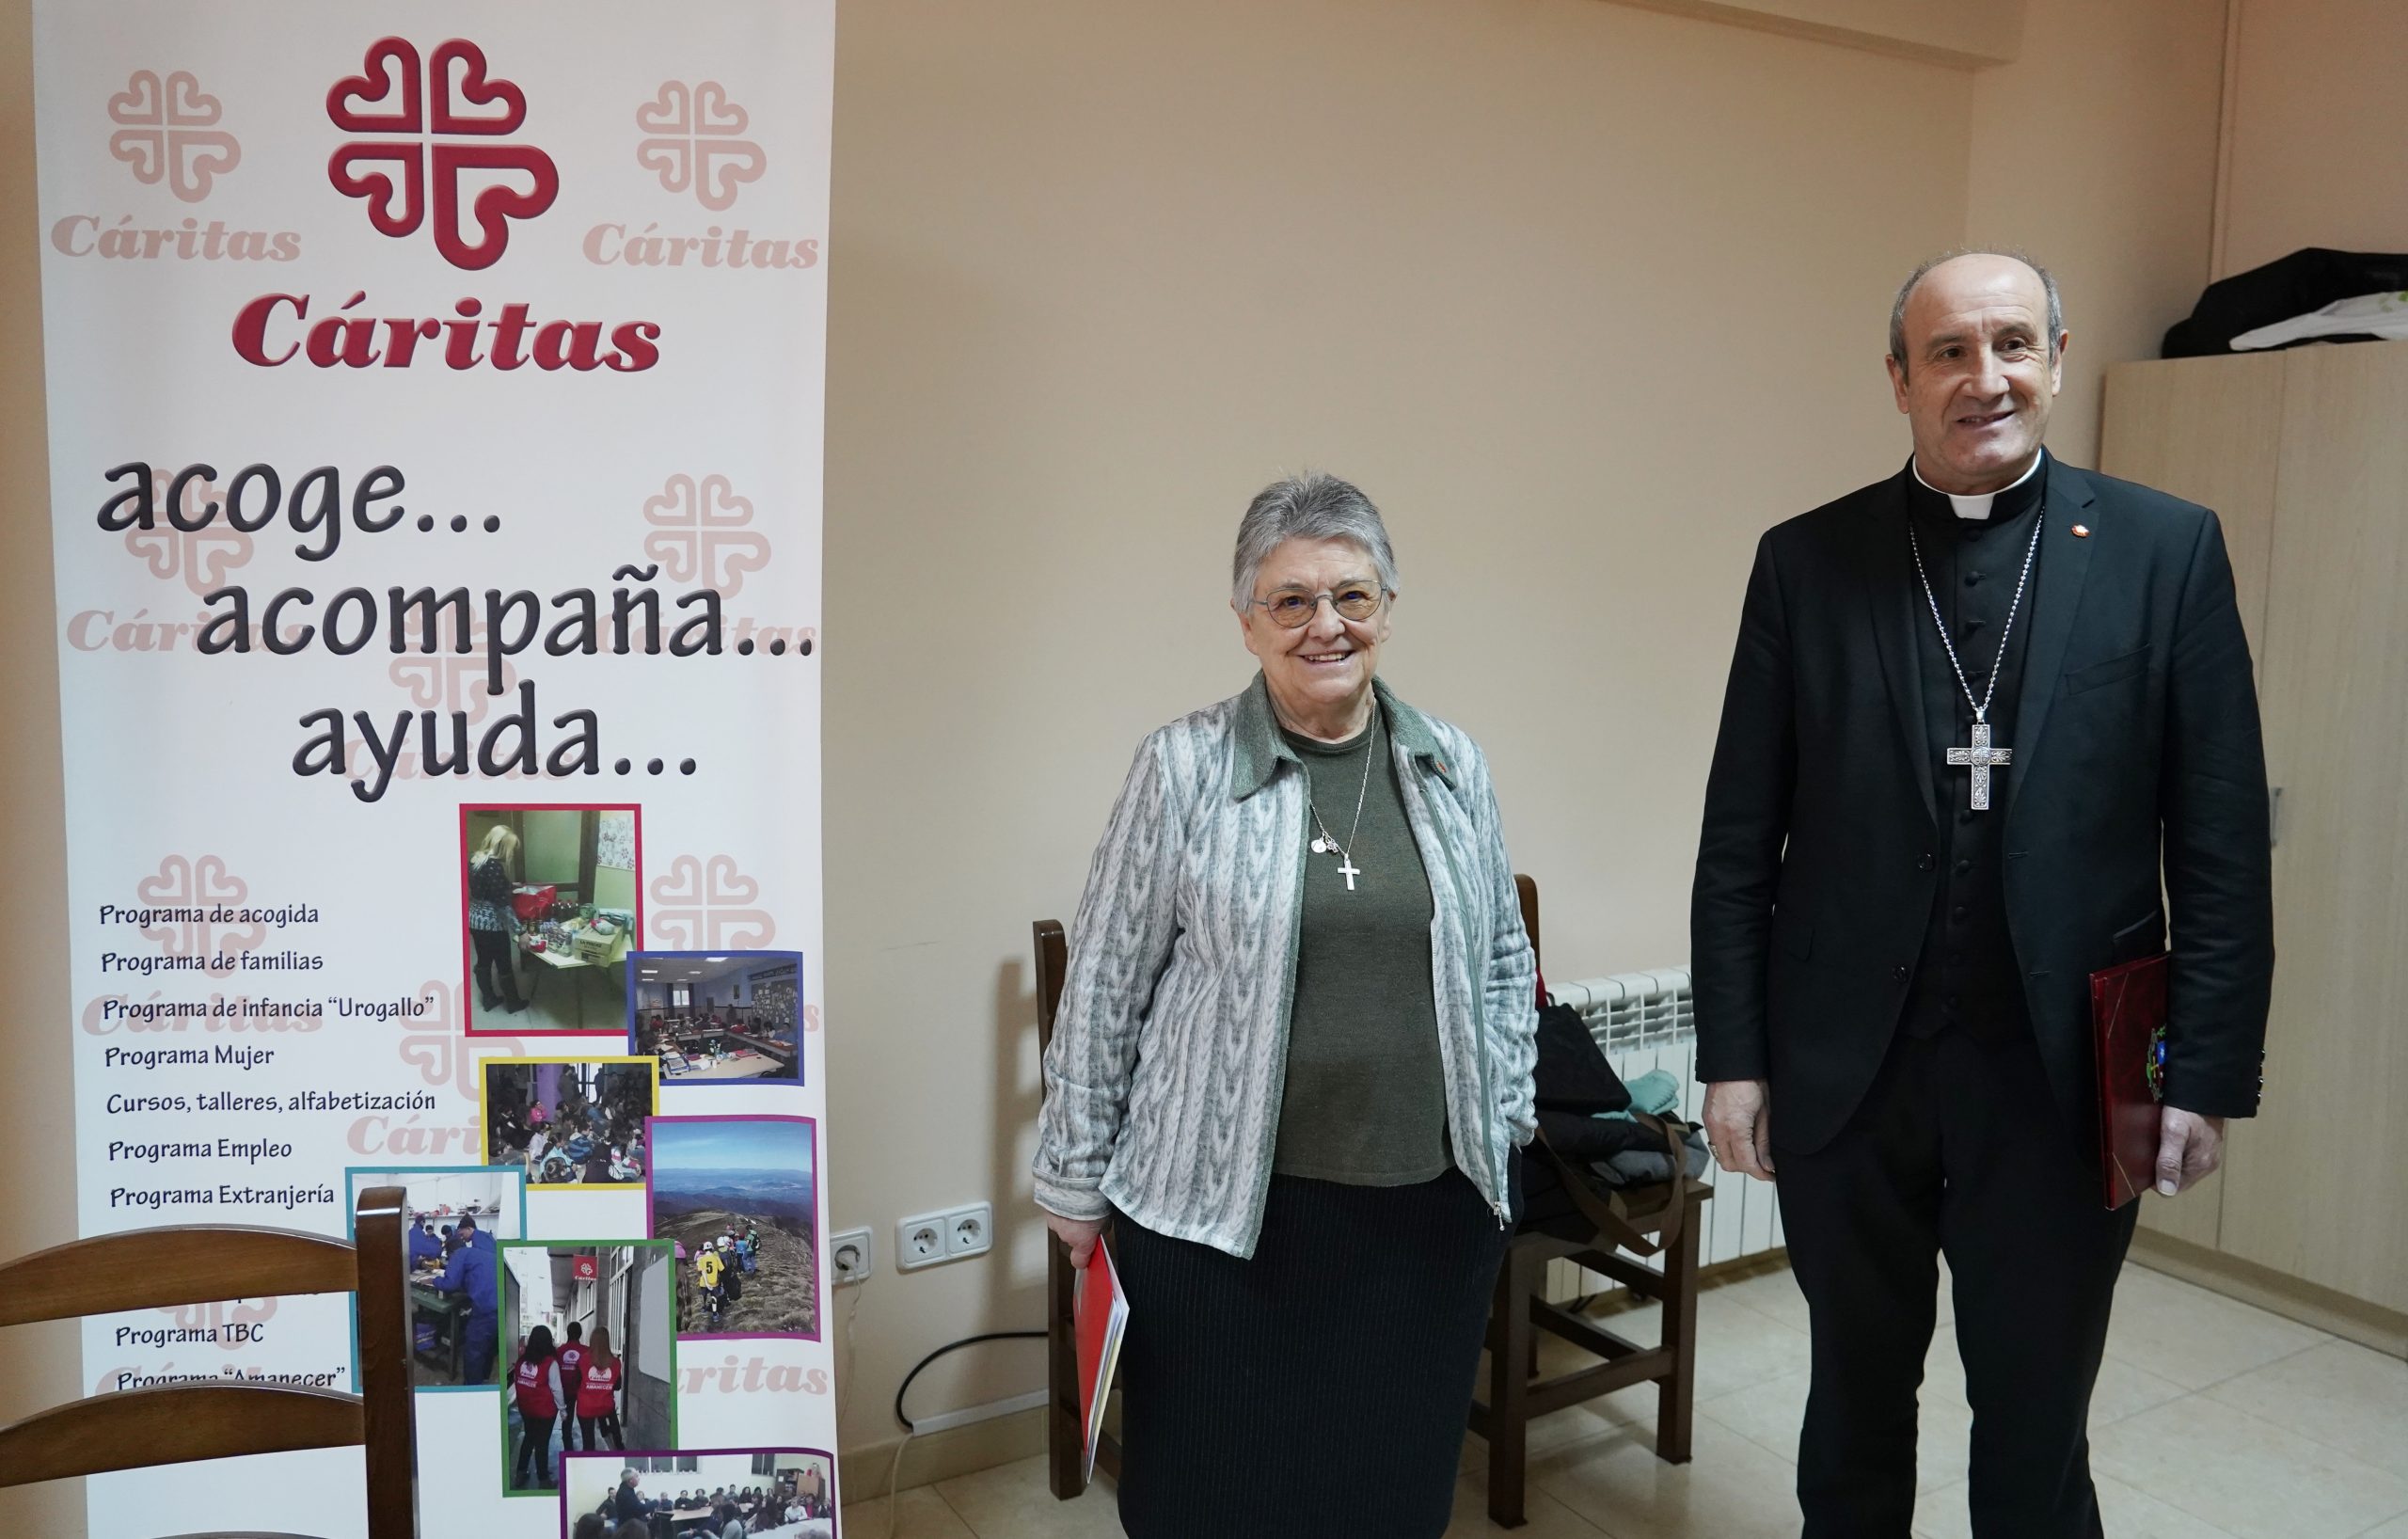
(1967, 974)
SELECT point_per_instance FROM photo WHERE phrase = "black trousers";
(535, 1450)
(493, 970)
(1959, 1147)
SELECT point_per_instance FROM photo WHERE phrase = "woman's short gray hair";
(1313, 506)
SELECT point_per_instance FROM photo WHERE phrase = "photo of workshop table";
(697, 1519)
(566, 959)
(726, 1053)
(447, 1315)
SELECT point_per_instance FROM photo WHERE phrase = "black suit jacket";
(2137, 750)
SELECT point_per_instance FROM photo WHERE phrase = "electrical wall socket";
(920, 1241)
(850, 1258)
(968, 1232)
(948, 1236)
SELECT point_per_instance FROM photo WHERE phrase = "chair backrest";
(1052, 960)
(219, 1419)
(1527, 889)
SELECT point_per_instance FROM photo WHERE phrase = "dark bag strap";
(1608, 1212)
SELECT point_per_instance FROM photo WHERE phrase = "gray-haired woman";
(1292, 1064)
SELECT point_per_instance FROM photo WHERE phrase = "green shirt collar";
(1259, 745)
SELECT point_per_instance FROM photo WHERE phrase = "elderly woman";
(492, 922)
(1292, 1067)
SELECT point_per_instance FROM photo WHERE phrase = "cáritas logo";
(430, 150)
(427, 124)
(694, 142)
(167, 133)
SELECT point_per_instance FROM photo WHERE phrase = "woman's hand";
(1080, 1234)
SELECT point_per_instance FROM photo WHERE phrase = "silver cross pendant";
(1981, 757)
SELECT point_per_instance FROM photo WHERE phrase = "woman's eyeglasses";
(1294, 607)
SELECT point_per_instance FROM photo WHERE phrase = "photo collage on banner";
(787, 1492)
(435, 435)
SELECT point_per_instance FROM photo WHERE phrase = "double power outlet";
(919, 1241)
(948, 1236)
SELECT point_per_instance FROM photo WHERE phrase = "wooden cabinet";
(2305, 456)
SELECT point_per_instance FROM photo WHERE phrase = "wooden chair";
(1065, 1431)
(1517, 1393)
(162, 1268)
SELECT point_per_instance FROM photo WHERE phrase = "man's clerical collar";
(1980, 505)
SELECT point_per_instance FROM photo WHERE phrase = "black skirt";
(1320, 1389)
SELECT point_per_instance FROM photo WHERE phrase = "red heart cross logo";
(391, 63)
(722, 166)
(671, 160)
(715, 114)
(667, 112)
(139, 102)
(493, 208)
(726, 884)
(475, 89)
(188, 105)
(200, 157)
(393, 211)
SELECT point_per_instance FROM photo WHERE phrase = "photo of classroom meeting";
(732, 1017)
(738, 1197)
(569, 1121)
(778, 1493)
(454, 1220)
(591, 1361)
(550, 908)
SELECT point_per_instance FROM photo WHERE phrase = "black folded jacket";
(1572, 1074)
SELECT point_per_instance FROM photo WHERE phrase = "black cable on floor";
(954, 1346)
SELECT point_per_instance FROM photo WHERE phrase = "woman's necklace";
(1326, 842)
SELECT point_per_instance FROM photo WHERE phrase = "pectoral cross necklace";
(1326, 842)
(1980, 757)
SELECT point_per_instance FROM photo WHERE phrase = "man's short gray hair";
(1906, 291)
(1312, 506)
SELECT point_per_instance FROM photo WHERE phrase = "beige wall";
(2096, 149)
(1586, 296)
(1947, 31)
(2319, 129)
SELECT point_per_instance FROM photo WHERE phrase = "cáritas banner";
(435, 398)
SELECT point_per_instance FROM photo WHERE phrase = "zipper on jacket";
(1280, 1047)
(1500, 1172)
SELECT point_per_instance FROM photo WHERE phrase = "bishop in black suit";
(1892, 942)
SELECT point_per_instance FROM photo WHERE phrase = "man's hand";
(1078, 1233)
(1738, 1126)
(2188, 1149)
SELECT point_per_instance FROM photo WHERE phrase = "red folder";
(2128, 1024)
(1100, 1317)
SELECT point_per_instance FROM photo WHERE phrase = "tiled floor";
(2211, 1420)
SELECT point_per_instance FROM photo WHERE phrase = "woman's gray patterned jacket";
(1170, 1048)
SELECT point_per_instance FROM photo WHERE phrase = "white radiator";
(1647, 1021)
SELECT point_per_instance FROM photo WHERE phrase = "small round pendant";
(1321, 846)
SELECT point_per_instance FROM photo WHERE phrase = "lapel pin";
(2082, 532)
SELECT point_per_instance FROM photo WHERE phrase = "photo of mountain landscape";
(744, 1192)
